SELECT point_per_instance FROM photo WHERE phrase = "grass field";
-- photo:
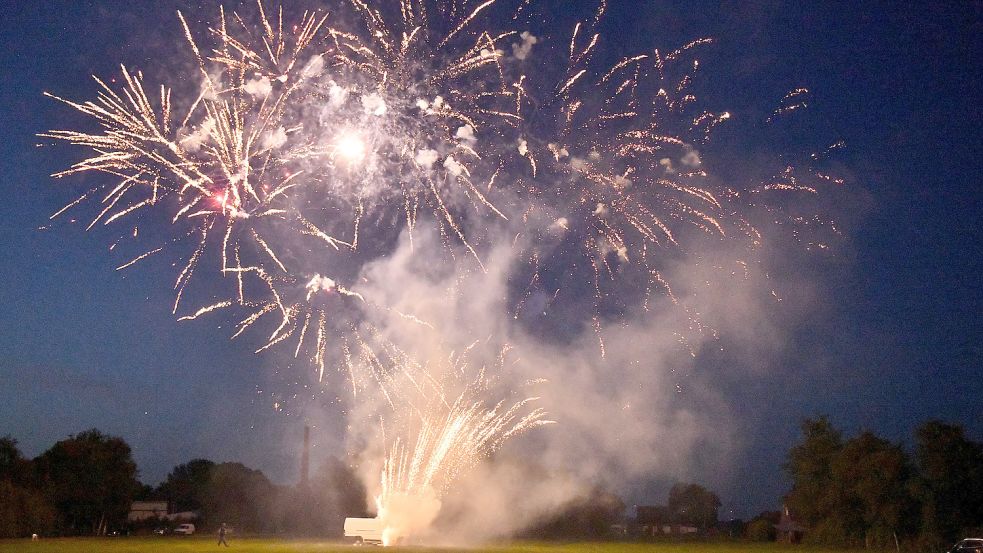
(196, 545)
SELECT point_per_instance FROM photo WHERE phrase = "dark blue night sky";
(897, 339)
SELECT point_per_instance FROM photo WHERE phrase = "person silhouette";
(221, 535)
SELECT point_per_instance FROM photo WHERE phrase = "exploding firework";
(303, 131)
(327, 134)
(621, 186)
(310, 145)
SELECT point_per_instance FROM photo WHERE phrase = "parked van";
(185, 529)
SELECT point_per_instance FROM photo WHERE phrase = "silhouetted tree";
(186, 484)
(870, 487)
(13, 466)
(90, 479)
(23, 509)
(950, 481)
(239, 496)
(146, 492)
(588, 516)
(693, 504)
(762, 526)
(815, 497)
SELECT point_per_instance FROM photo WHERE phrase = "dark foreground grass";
(203, 545)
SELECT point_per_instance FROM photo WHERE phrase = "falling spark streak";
(204, 310)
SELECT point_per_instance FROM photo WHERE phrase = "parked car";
(968, 545)
(161, 530)
(185, 529)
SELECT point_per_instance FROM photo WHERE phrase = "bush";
(828, 532)
(760, 530)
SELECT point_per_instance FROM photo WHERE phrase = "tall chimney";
(305, 457)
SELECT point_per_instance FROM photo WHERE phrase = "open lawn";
(196, 545)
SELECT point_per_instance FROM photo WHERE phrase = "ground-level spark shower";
(449, 422)
(308, 145)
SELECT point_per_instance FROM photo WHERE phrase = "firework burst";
(620, 184)
(304, 131)
(309, 146)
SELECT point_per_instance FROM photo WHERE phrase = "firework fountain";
(311, 145)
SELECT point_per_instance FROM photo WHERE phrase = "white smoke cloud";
(622, 181)
(275, 139)
(426, 158)
(522, 50)
(258, 88)
(320, 284)
(409, 515)
(653, 414)
(453, 167)
(193, 141)
(558, 151)
(691, 159)
(337, 96)
(208, 91)
(466, 133)
(373, 104)
(485, 53)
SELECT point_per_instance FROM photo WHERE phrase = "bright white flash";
(350, 148)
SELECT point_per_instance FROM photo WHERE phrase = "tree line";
(867, 491)
(862, 490)
(86, 483)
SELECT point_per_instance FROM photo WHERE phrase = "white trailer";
(364, 530)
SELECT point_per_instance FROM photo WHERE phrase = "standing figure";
(221, 535)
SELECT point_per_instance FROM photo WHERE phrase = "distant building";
(146, 510)
(652, 519)
(655, 520)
